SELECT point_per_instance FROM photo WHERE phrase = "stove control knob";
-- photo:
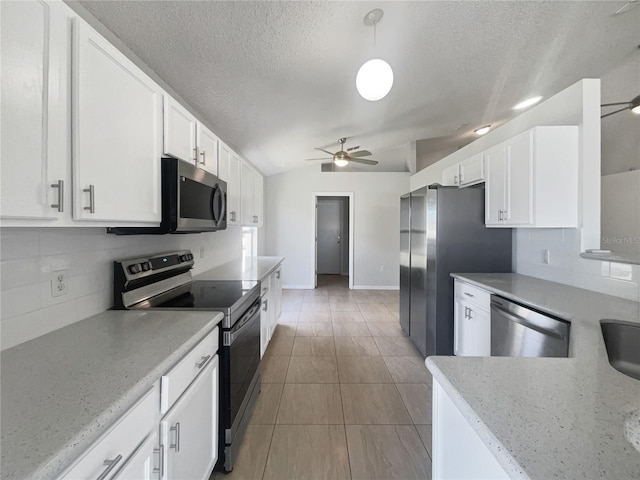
(190, 256)
(184, 258)
(135, 268)
(145, 266)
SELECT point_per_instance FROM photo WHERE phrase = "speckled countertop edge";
(260, 268)
(502, 455)
(53, 465)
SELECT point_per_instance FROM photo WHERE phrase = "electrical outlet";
(545, 256)
(59, 283)
(202, 252)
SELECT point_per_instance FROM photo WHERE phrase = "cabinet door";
(190, 430)
(451, 175)
(265, 324)
(224, 157)
(207, 150)
(246, 197)
(458, 317)
(234, 190)
(116, 134)
(495, 189)
(472, 170)
(179, 131)
(277, 294)
(145, 463)
(35, 117)
(258, 199)
(519, 195)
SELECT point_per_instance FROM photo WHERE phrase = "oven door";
(243, 344)
(199, 202)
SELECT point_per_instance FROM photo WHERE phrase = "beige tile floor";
(344, 393)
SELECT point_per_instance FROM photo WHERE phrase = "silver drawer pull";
(278, 274)
(110, 464)
(160, 469)
(92, 199)
(469, 294)
(60, 187)
(233, 216)
(176, 445)
(203, 362)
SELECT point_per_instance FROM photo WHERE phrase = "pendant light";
(375, 77)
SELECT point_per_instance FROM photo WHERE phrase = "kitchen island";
(63, 390)
(543, 418)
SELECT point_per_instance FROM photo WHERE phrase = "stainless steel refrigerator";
(442, 231)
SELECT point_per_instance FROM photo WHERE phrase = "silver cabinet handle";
(338, 239)
(195, 155)
(204, 158)
(203, 362)
(470, 314)
(176, 445)
(265, 305)
(92, 199)
(278, 274)
(255, 219)
(469, 294)
(500, 215)
(455, 179)
(466, 312)
(504, 215)
(160, 469)
(110, 464)
(233, 216)
(60, 187)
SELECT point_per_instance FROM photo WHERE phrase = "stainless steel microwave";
(193, 201)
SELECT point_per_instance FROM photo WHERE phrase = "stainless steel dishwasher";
(518, 331)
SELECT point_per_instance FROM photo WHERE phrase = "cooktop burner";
(211, 295)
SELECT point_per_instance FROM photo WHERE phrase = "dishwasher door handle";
(526, 323)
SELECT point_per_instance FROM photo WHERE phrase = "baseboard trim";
(298, 287)
(375, 287)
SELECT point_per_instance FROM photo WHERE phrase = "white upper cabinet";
(179, 131)
(472, 171)
(451, 175)
(117, 128)
(258, 198)
(229, 165)
(207, 149)
(532, 179)
(35, 167)
(251, 198)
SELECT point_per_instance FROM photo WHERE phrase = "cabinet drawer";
(471, 294)
(176, 380)
(111, 451)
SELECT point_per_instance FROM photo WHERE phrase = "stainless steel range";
(164, 281)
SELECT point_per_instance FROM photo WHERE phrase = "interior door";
(329, 237)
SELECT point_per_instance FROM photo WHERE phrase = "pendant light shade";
(374, 79)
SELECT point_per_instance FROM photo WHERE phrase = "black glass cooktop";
(211, 295)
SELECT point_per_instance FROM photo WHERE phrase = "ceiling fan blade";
(324, 158)
(351, 149)
(361, 153)
(325, 151)
(364, 161)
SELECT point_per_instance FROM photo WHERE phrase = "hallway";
(344, 393)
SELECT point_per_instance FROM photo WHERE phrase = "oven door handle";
(230, 337)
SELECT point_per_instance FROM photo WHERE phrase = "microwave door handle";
(218, 213)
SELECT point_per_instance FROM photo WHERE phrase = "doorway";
(333, 259)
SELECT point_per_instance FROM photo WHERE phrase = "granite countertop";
(62, 390)
(560, 418)
(252, 268)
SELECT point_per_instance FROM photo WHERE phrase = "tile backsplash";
(566, 266)
(30, 256)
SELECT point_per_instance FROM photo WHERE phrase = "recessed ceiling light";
(527, 103)
(483, 130)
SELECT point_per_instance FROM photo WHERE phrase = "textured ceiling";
(275, 79)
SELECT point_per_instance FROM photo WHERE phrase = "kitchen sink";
(622, 340)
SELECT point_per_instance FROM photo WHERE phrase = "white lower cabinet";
(116, 446)
(276, 286)
(458, 451)
(189, 431)
(270, 308)
(471, 321)
(145, 463)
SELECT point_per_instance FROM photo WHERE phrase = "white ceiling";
(275, 79)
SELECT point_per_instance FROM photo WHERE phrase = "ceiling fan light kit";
(343, 157)
(633, 105)
(375, 77)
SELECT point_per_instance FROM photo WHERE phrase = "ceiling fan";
(342, 157)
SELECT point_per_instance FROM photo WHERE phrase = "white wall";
(579, 105)
(376, 223)
(30, 255)
(620, 213)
